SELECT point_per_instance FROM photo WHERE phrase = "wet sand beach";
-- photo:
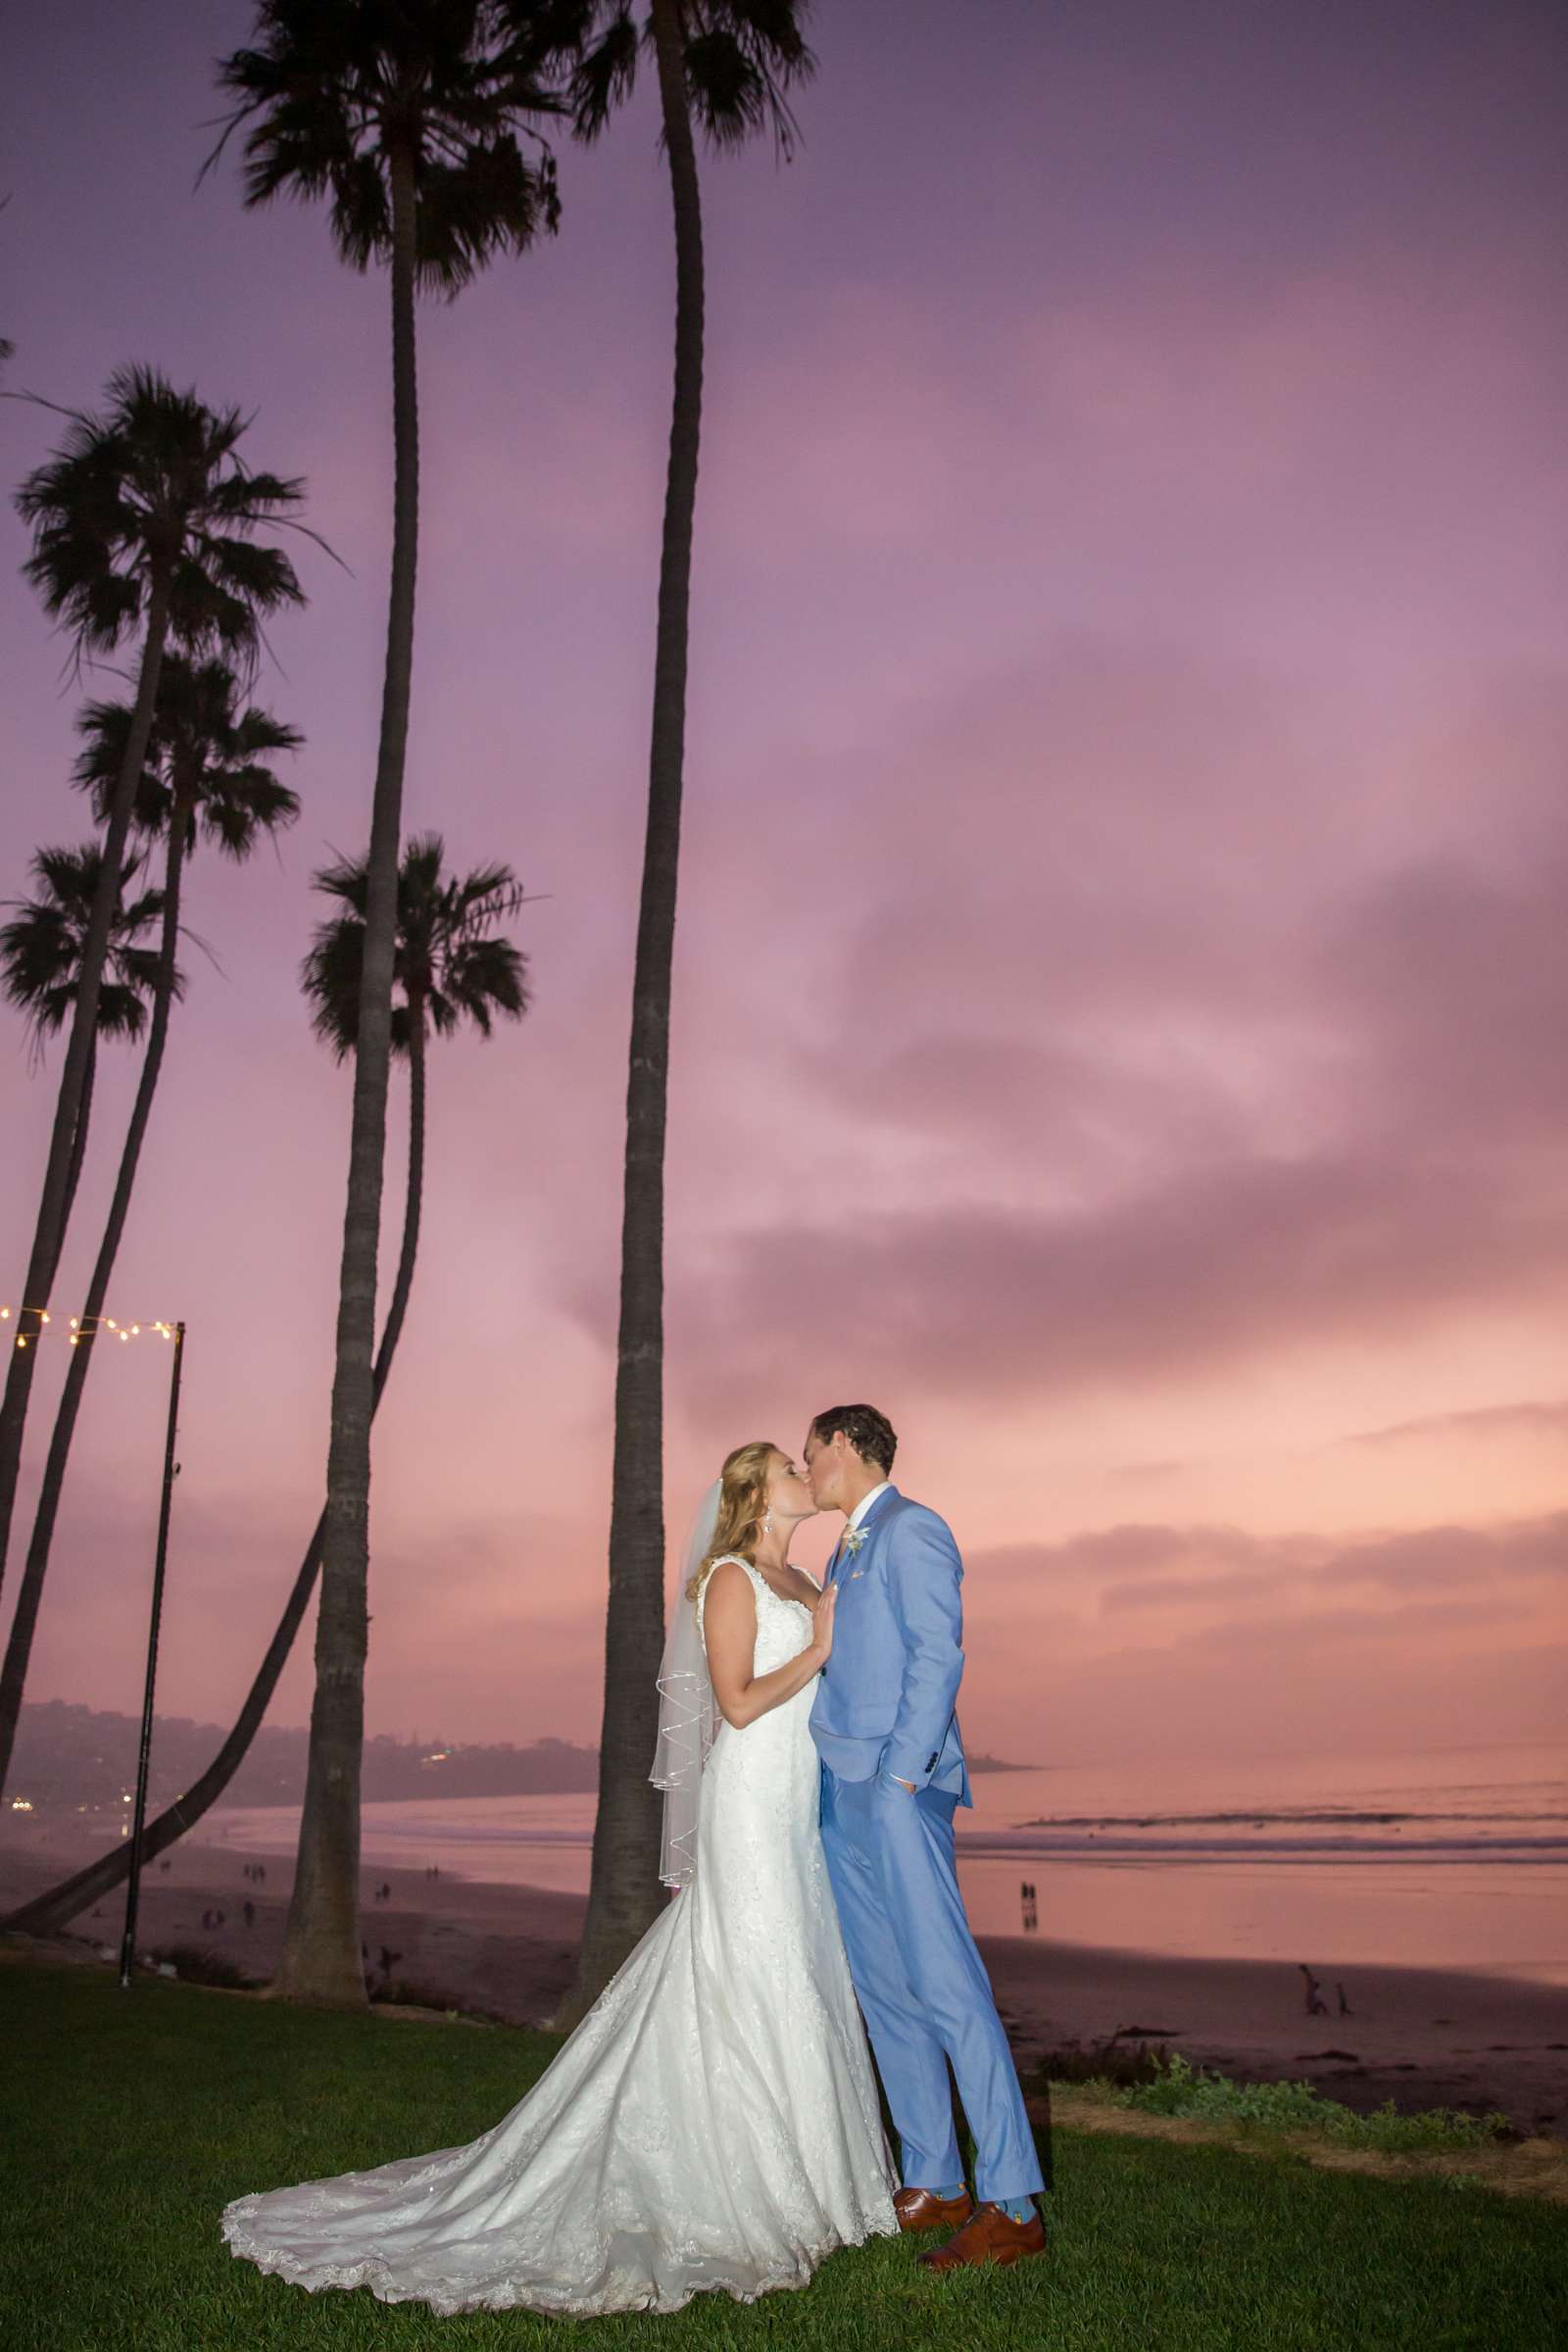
(1423, 2036)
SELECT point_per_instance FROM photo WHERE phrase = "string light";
(86, 1327)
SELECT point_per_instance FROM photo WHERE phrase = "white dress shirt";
(865, 1505)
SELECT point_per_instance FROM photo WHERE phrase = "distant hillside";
(72, 1759)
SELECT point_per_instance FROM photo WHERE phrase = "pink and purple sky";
(1121, 983)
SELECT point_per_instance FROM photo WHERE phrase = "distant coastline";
(81, 1760)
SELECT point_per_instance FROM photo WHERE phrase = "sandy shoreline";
(1421, 2037)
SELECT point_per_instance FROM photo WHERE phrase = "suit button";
(930, 1763)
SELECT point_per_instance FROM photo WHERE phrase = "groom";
(892, 1773)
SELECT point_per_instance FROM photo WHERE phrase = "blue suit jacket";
(885, 1698)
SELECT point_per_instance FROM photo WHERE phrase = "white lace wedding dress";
(712, 2122)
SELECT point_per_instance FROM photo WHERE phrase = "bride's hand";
(822, 1624)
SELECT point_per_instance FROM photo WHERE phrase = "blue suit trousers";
(922, 1985)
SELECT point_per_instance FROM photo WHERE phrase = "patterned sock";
(948, 2196)
(1017, 2209)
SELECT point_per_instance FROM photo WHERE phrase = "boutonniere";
(853, 1537)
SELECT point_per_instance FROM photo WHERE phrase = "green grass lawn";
(131, 2118)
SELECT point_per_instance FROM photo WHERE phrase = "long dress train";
(712, 2122)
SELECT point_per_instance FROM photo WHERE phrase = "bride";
(713, 2120)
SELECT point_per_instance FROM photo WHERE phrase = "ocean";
(1454, 1857)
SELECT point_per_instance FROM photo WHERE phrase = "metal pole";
(139, 1814)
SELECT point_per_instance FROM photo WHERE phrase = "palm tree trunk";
(79, 1141)
(19, 1646)
(415, 1192)
(52, 1910)
(625, 1893)
(320, 1958)
(49, 1229)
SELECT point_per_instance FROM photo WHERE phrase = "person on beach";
(712, 2123)
(892, 1775)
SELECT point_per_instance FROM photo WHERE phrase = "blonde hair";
(742, 1506)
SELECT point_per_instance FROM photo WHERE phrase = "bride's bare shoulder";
(729, 1602)
(729, 1575)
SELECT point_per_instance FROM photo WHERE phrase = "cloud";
(1175, 1591)
(990, 1303)
(1487, 1426)
(1426, 1559)
(1132, 1547)
(1454, 986)
(1229, 1639)
(1545, 1419)
(1152, 1564)
(1161, 1042)
(1340, 1630)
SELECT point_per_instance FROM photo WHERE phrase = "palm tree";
(207, 773)
(406, 114)
(447, 962)
(145, 515)
(446, 966)
(727, 64)
(41, 955)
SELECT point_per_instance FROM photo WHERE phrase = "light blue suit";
(884, 1713)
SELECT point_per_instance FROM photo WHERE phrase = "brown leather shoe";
(923, 2208)
(991, 2236)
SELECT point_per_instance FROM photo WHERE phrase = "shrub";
(1112, 2062)
(402, 1993)
(198, 1965)
(1180, 2089)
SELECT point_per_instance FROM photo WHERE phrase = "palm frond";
(444, 957)
(605, 75)
(206, 747)
(41, 948)
(328, 89)
(330, 976)
(154, 486)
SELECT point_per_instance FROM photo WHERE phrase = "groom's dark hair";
(870, 1432)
